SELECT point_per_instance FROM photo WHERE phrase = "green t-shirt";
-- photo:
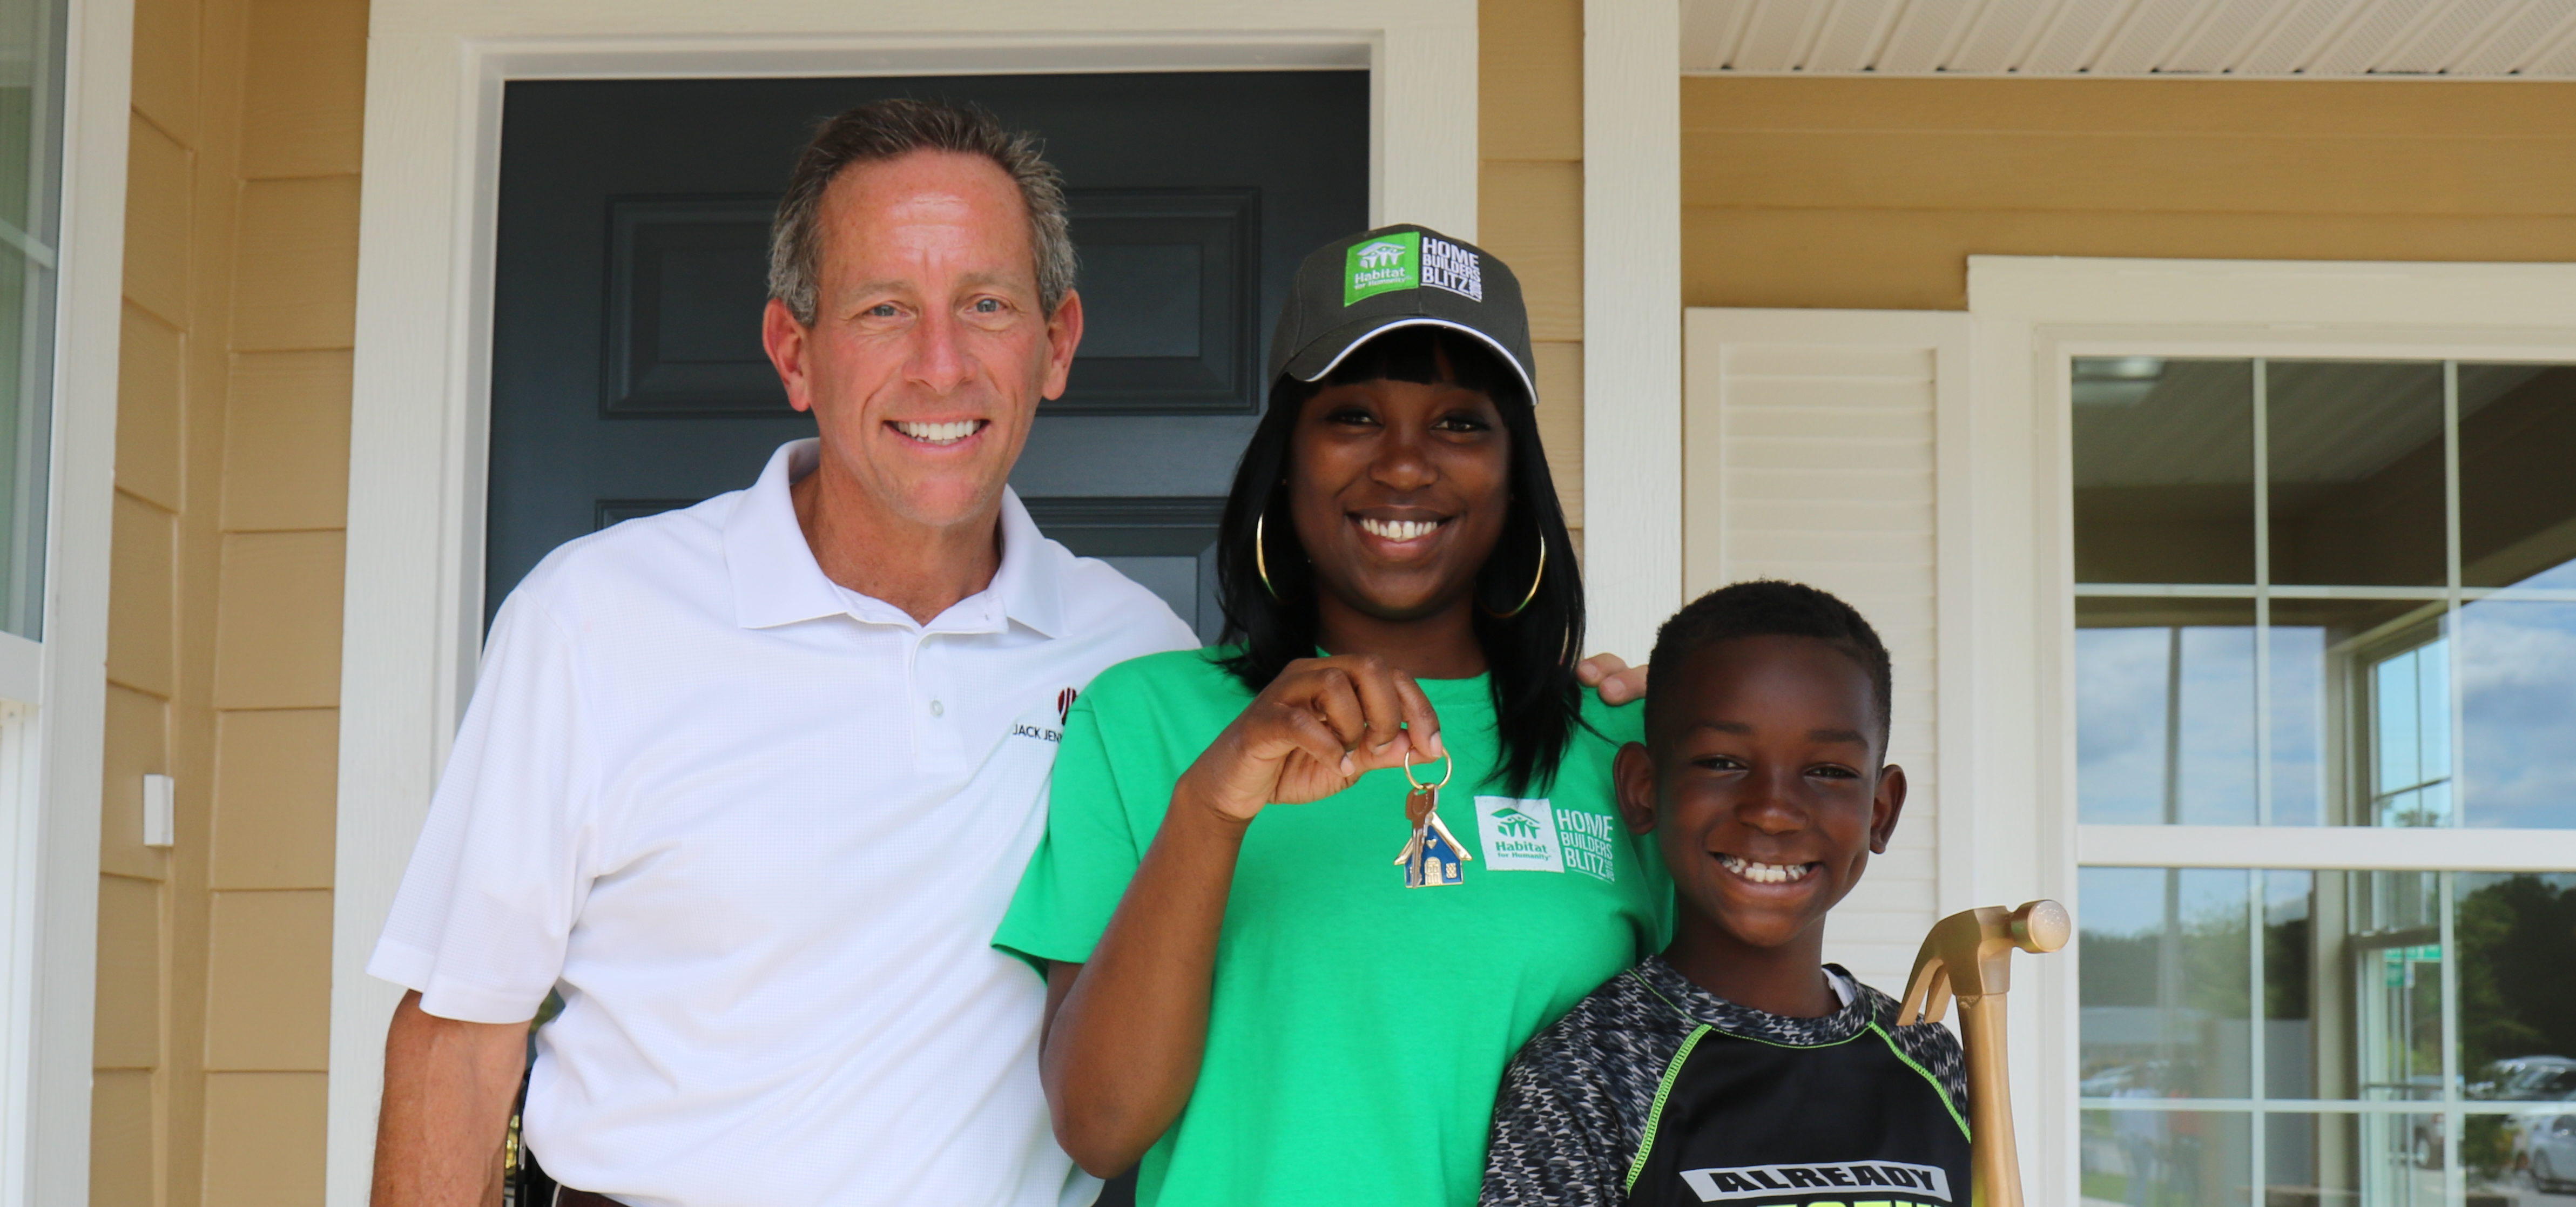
(1358, 1028)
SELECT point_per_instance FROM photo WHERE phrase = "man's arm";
(446, 1114)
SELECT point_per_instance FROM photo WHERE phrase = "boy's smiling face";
(1765, 787)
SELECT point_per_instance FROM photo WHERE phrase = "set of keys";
(1432, 857)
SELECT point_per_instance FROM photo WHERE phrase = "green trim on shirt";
(1926, 1074)
(1663, 1092)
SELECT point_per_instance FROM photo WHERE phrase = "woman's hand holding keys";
(1318, 727)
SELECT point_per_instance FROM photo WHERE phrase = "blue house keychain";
(1432, 856)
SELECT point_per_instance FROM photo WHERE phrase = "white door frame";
(2030, 316)
(435, 73)
(53, 724)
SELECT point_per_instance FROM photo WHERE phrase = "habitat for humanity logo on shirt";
(1533, 836)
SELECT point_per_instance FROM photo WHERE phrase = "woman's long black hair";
(1530, 656)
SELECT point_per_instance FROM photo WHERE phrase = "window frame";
(53, 690)
(2032, 317)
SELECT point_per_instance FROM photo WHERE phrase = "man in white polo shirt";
(752, 782)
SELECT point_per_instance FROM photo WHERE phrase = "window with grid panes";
(2325, 593)
(31, 128)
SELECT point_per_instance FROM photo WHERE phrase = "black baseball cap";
(1352, 289)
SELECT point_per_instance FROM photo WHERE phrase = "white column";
(1423, 167)
(1632, 320)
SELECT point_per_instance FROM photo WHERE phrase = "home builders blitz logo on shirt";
(1383, 265)
(1587, 842)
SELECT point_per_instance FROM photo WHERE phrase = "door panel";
(628, 376)
(682, 273)
(1167, 544)
(1176, 276)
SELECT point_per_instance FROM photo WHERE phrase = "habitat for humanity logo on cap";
(1381, 265)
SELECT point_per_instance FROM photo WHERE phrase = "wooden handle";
(1969, 954)
(1994, 1162)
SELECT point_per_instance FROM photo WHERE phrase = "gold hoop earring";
(1535, 580)
(1261, 552)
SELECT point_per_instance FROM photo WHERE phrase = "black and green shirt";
(1654, 1076)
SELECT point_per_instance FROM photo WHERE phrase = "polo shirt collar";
(776, 580)
(1027, 584)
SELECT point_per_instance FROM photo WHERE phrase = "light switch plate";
(160, 811)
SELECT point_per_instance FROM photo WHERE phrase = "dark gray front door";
(627, 374)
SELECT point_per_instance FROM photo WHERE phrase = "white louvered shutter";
(1813, 455)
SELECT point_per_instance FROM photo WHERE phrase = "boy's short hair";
(1772, 608)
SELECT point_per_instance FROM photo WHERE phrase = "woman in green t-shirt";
(1256, 1005)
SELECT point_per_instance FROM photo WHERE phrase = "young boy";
(1738, 1067)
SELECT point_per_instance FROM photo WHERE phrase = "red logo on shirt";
(1064, 703)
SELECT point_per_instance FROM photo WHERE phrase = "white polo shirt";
(759, 830)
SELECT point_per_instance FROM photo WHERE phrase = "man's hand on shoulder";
(1610, 675)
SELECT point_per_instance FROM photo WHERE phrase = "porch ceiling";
(2330, 39)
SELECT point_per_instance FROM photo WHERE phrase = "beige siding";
(264, 1138)
(286, 442)
(268, 1002)
(143, 603)
(1530, 202)
(223, 664)
(151, 366)
(306, 70)
(159, 203)
(280, 642)
(124, 1165)
(297, 283)
(276, 785)
(1871, 194)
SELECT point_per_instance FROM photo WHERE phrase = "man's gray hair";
(883, 130)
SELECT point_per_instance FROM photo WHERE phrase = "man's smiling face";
(929, 351)
(1765, 785)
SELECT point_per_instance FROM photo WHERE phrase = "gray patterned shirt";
(1574, 1102)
